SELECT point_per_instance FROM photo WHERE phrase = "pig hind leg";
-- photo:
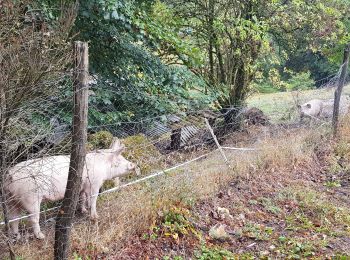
(83, 202)
(14, 212)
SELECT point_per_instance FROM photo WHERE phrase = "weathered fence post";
(217, 142)
(176, 139)
(338, 91)
(79, 134)
(4, 196)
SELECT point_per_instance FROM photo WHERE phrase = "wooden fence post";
(217, 142)
(175, 139)
(338, 91)
(77, 160)
(3, 201)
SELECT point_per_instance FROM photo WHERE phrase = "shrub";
(174, 223)
(141, 151)
(291, 81)
(214, 253)
(99, 140)
(300, 81)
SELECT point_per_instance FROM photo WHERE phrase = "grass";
(281, 106)
(134, 209)
(274, 187)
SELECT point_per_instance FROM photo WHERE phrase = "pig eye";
(308, 105)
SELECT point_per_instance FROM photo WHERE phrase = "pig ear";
(119, 150)
(115, 143)
(308, 105)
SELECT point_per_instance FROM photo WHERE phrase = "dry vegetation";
(289, 198)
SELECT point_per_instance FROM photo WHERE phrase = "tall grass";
(133, 210)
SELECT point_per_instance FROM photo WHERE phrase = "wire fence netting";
(174, 155)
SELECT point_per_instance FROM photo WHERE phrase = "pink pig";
(35, 181)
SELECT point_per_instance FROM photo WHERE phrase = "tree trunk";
(220, 60)
(77, 160)
(211, 63)
(211, 41)
(338, 91)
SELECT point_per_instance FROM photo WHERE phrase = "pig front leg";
(93, 200)
(32, 205)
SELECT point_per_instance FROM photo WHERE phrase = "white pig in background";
(323, 109)
(35, 181)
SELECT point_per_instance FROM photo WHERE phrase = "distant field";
(281, 106)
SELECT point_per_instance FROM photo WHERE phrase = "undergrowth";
(279, 204)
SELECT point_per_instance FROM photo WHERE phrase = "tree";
(134, 51)
(33, 55)
(237, 33)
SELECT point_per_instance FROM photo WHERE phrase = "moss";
(99, 140)
(109, 184)
(140, 151)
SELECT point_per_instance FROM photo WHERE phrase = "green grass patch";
(280, 106)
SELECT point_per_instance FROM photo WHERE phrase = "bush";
(300, 81)
(99, 140)
(291, 81)
(216, 253)
(141, 151)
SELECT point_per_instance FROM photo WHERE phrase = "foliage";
(141, 151)
(175, 89)
(156, 57)
(317, 63)
(300, 81)
(99, 140)
(214, 254)
(270, 206)
(133, 82)
(239, 34)
(174, 223)
(296, 248)
(257, 231)
(174, 43)
(292, 81)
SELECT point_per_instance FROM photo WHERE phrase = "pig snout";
(131, 166)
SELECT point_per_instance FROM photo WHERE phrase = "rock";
(251, 245)
(218, 232)
(105, 250)
(241, 217)
(264, 253)
(223, 213)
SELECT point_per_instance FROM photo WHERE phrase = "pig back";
(44, 178)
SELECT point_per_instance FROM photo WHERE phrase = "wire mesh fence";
(174, 153)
